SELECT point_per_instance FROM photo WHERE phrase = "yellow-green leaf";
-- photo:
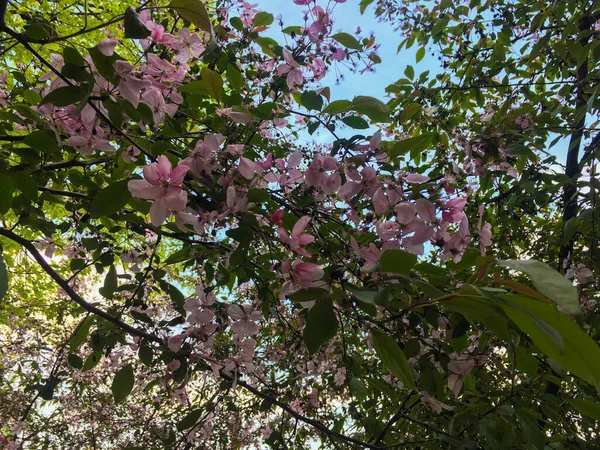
(212, 82)
(195, 12)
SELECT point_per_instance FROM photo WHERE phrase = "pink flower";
(405, 213)
(129, 85)
(320, 26)
(384, 201)
(314, 398)
(47, 245)
(245, 320)
(298, 238)
(87, 144)
(292, 69)
(163, 70)
(316, 173)
(459, 368)
(237, 117)
(162, 185)
(338, 54)
(370, 254)
(236, 200)
(275, 218)
(415, 178)
(319, 69)
(289, 176)
(587, 304)
(452, 210)
(301, 275)
(246, 168)
(130, 154)
(340, 376)
(485, 233)
(189, 46)
(107, 46)
(582, 274)
(426, 210)
(174, 343)
(365, 180)
(202, 160)
(154, 99)
(433, 403)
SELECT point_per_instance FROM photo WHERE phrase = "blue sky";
(346, 18)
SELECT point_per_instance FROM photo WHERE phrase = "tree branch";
(71, 293)
(137, 332)
(569, 197)
(116, 129)
(63, 193)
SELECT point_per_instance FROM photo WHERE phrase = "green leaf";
(366, 296)
(392, 358)
(110, 199)
(321, 326)
(72, 56)
(66, 95)
(42, 140)
(213, 83)
(581, 355)
(533, 325)
(38, 29)
(375, 109)
(237, 23)
(364, 4)
(347, 40)
(146, 354)
(75, 361)
(356, 122)
(409, 111)
(235, 77)
(122, 384)
(413, 145)
(420, 53)
(3, 278)
(311, 100)
(92, 360)
(308, 295)
(293, 29)
(176, 296)
(439, 26)
(110, 283)
(358, 389)
(586, 407)
(397, 261)
(32, 97)
(338, 106)
(6, 192)
(104, 64)
(194, 11)
(263, 19)
(26, 183)
(409, 72)
(134, 27)
(549, 282)
(197, 87)
(83, 329)
(189, 420)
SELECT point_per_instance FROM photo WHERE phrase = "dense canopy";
(201, 246)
